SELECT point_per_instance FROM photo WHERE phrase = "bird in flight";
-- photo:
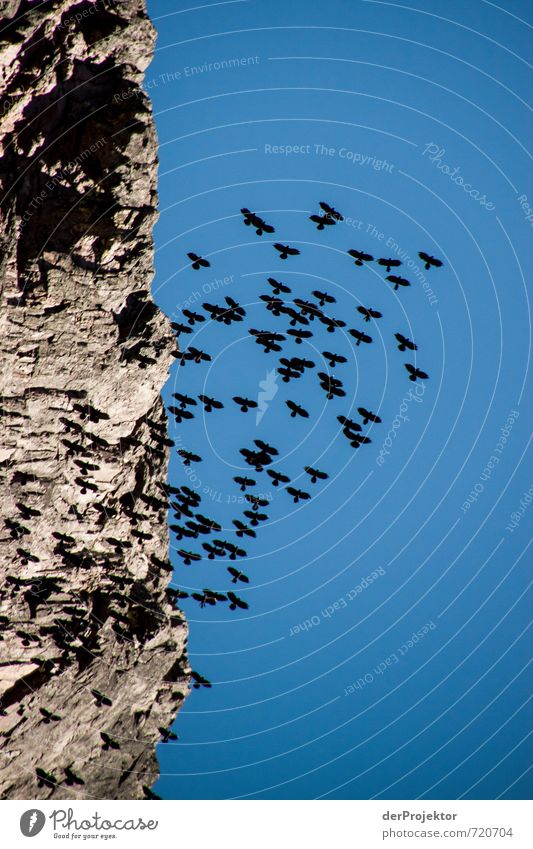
(244, 403)
(244, 482)
(333, 359)
(315, 474)
(389, 263)
(323, 297)
(237, 575)
(356, 439)
(297, 494)
(429, 260)
(188, 556)
(242, 529)
(331, 323)
(404, 342)
(369, 313)
(398, 281)
(285, 251)
(322, 221)
(188, 457)
(264, 446)
(332, 385)
(235, 602)
(299, 335)
(367, 416)
(198, 261)
(193, 317)
(360, 336)
(415, 373)
(279, 288)
(210, 404)
(348, 425)
(184, 400)
(329, 210)
(360, 257)
(250, 218)
(180, 328)
(297, 410)
(277, 477)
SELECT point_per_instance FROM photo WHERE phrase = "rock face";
(92, 651)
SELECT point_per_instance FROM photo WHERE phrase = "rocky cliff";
(92, 651)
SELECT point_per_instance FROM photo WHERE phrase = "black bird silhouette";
(198, 261)
(274, 305)
(244, 403)
(184, 399)
(45, 779)
(199, 680)
(285, 251)
(360, 336)
(360, 257)
(315, 474)
(296, 317)
(212, 550)
(208, 523)
(197, 356)
(398, 281)
(101, 700)
(307, 308)
(217, 313)
(331, 323)
(109, 742)
(299, 335)
(236, 602)
(415, 372)
(348, 424)
(188, 556)
(193, 317)
(188, 457)
(244, 482)
(329, 210)
(254, 518)
(167, 734)
(256, 501)
(429, 260)
(236, 575)
(279, 287)
(404, 343)
(323, 297)
(333, 359)
(180, 414)
(369, 313)
(233, 550)
(367, 416)
(297, 494)
(322, 221)
(331, 384)
(210, 404)
(264, 446)
(288, 374)
(149, 794)
(297, 410)
(389, 263)
(242, 529)
(250, 218)
(180, 328)
(48, 716)
(277, 477)
(356, 439)
(71, 777)
(267, 339)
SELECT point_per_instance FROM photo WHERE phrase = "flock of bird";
(299, 316)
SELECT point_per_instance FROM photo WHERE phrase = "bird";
(367, 416)
(188, 457)
(405, 343)
(274, 305)
(296, 410)
(369, 313)
(199, 680)
(360, 336)
(415, 372)
(429, 260)
(285, 251)
(267, 338)
(208, 523)
(360, 257)
(288, 374)
(264, 446)
(323, 297)
(180, 414)
(236, 602)
(48, 716)
(297, 494)
(308, 309)
(254, 518)
(348, 424)
(197, 356)
(329, 210)
(398, 281)
(167, 734)
(315, 474)
(333, 359)
(332, 385)
(279, 288)
(109, 742)
(357, 439)
(250, 218)
(71, 777)
(256, 501)
(244, 403)
(299, 335)
(237, 575)
(322, 221)
(389, 263)
(244, 482)
(277, 477)
(198, 261)
(188, 556)
(193, 317)
(45, 779)
(242, 529)
(180, 328)
(210, 404)
(184, 400)
(331, 323)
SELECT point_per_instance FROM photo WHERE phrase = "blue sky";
(414, 123)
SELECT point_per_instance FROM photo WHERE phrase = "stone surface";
(88, 633)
